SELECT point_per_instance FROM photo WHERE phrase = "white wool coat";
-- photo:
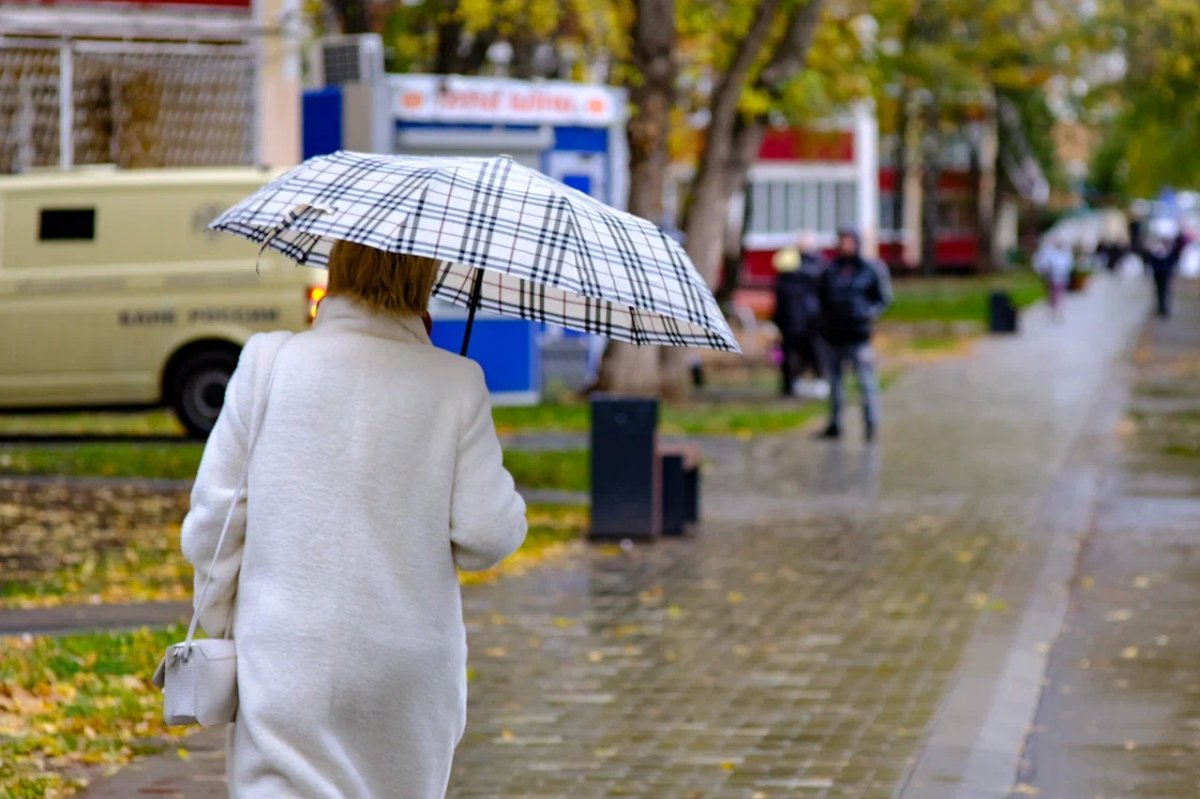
(377, 471)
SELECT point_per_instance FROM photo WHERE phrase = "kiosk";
(572, 132)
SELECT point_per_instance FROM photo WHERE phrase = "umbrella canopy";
(512, 241)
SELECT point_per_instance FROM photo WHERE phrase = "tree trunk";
(627, 369)
(984, 218)
(705, 222)
(901, 165)
(730, 149)
(523, 46)
(448, 61)
(931, 174)
(999, 181)
(747, 139)
(477, 55)
(354, 15)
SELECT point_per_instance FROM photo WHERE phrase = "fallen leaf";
(1162, 640)
(964, 557)
(735, 597)
(1026, 790)
(674, 612)
(1086, 582)
(1119, 615)
(727, 766)
(1130, 745)
(1141, 581)
(507, 734)
(496, 652)
(1129, 653)
(183, 753)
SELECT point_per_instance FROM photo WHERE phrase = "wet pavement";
(1121, 715)
(805, 641)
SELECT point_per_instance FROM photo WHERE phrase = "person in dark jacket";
(1162, 258)
(797, 314)
(853, 292)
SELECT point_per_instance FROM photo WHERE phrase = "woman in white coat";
(377, 472)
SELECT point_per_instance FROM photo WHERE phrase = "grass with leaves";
(179, 461)
(151, 461)
(741, 419)
(104, 546)
(139, 423)
(962, 299)
(71, 706)
(74, 705)
(566, 470)
(1174, 433)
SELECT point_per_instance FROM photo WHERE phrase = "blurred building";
(146, 84)
(841, 173)
(817, 179)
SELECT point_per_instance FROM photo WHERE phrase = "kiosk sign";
(429, 98)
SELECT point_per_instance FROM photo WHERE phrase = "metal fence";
(129, 104)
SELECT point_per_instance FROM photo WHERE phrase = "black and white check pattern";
(549, 253)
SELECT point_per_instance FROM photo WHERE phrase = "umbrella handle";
(472, 304)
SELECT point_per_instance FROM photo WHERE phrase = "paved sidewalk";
(1121, 716)
(805, 642)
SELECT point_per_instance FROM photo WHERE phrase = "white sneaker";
(820, 389)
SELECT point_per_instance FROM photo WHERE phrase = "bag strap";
(241, 489)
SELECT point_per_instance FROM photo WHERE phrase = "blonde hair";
(386, 282)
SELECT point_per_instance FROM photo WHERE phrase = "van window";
(67, 224)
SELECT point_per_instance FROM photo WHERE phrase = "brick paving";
(802, 643)
(1121, 716)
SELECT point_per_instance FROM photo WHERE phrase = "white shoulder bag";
(199, 678)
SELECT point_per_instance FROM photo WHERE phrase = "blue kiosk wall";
(508, 350)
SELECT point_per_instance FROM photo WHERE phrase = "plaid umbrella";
(512, 241)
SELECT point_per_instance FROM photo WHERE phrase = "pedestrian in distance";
(798, 316)
(854, 292)
(1161, 257)
(374, 475)
(1054, 262)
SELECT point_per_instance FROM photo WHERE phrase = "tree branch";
(792, 53)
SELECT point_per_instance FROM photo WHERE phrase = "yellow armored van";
(113, 293)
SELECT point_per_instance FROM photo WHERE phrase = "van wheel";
(199, 390)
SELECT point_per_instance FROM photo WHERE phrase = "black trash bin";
(1002, 313)
(680, 487)
(626, 478)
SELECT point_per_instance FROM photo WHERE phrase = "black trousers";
(1162, 288)
(801, 354)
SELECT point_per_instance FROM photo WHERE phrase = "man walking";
(797, 314)
(1162, 257)
(854, 293)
